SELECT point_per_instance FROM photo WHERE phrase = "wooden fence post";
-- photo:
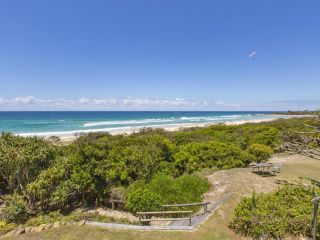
(315, 216)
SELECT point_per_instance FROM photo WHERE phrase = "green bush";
(15, 210)
(44, 218)
(6, 227)
(191, 188)
(52, 176)
(22, 159)
(138, 157)
(287, 211)
(143, 200)
(265, 135)
(260, 152)
(194, 156)
(184, 189)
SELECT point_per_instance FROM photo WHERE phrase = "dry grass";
(241, 182)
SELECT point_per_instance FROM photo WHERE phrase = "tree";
(305, 142)
(21, 161)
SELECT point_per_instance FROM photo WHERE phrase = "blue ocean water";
(45, 123)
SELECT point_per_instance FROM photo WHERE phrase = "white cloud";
(101, 103)
(132, 103)
(3, 101)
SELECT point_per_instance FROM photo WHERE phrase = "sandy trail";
(242, 182)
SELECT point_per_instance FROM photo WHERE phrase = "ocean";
(69, 122)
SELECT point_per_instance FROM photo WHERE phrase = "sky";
(159, 55)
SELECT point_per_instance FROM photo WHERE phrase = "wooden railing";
(204, 204)
(116, 202)
(147, 216)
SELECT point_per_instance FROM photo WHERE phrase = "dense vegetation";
(40, 176)
(287, 211)
(305, 112)
(164, 189)
(274, 215)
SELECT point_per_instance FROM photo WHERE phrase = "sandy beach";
(72, 135)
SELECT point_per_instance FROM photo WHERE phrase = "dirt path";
(242, 182)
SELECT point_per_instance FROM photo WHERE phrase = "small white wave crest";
(121, 122)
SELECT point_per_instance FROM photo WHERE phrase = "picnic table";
(264, 168)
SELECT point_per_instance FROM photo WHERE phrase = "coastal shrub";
(22, 159)
(6, 227)
(287, 211)
(143, 200)
(190, 136)
(15, 210)
(265, 135)
(194, 156)
(54, 176)
(260, 152)
(184, 189)
(166, 187)
(44, 189)
(90, 169)
(137, 158)
(70, 180)
(192, 188)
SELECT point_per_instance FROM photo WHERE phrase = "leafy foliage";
(164, 189)
(22, 159)
(260, 152)
(286, 211)
(15, 210)
(50, 176)
(143, 200)
(194, 156)
(138, 158)
(6, 227)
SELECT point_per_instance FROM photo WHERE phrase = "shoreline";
(72, 135)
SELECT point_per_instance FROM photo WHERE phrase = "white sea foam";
(158, 120)
(121, 122)
(113, 129)
(177, 125)
(236, 116)
(196, 119)
(208, 119)
(73, 132)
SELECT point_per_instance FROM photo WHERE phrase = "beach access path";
(196, 220)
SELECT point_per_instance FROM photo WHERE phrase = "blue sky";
(168, 54)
